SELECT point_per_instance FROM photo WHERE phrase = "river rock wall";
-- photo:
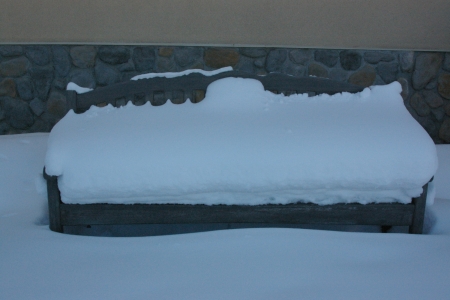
(33, 77)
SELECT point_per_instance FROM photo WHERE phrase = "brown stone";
(364, 77)
(405, 87)
(219, 58)
(83, 56)
(57, 104)
(433, 99)
(317, 70)
(425, 69)
(419, 105)
(8, 88)
(165, 51)
(15, 67)
(444, 85)
(444, 131)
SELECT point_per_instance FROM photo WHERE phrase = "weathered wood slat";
(196, 83)
(301, 213)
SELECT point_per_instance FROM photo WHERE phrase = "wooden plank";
(54, 201)
(394, 214)
(419, 212)
(199, 82)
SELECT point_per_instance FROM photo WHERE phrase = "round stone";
(419, 105)
(444, 85)
(275, 60)
(114, 54)
(8, 88)
(426, 68)
(364, 77)
(327, 57)
(83, 56)
(350, 60)
(217, 58)
(185, 56)
(317, 71)
(15, 67)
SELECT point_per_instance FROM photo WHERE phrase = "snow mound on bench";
(244, 145)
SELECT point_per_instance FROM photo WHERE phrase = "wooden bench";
(157, 91)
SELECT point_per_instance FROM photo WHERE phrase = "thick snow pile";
(244, 145)
(262, 263)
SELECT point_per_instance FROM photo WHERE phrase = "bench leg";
(54, 199)
(419, 212)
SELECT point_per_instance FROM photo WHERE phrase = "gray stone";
(447, 109)
(275, 60)
(429, 127)
(25, 88)
(126, 67)
(426, 67)
(246, 65)
(185, 56)
(165, 51)
(444, 85)
(339, 74)
(444, 131)
(295, 70)
(406, 61)
(15, 67)
(18, 113)
(83, 78)
(317, 70)
(8, 87)
(253, 52)
(37, 106)
(106, 74)
(405, 88)
(114, 54)
(60, 83)
(61, 60)
(217, 58)
(39, 55)
(374, 57)
(301, 56)
(438, 114)
(431, 85)
(83, 56)
(144, 59)
(364, 77)
(328, 57)
(39, 126)
(350, 60)
(432, 99)
(2, 114)
(11, 50)
(165, 65)
(419, 105)
(388, 71)
(260, 62)
(446, 64)
(57, 104)
(42, 78)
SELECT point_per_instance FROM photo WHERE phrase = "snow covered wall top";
(244, 145)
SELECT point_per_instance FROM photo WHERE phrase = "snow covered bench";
(242, 155)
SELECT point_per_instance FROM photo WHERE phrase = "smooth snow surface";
(186, 72)
(36, 263)
(244, 145)
(71, 86)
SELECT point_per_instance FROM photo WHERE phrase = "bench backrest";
(193, 86)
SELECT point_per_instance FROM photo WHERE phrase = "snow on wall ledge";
(244, 145)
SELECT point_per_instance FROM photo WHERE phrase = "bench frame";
(179, 89)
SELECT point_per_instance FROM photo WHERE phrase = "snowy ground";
(36, 263)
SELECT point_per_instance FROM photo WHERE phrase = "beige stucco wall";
(368, 24)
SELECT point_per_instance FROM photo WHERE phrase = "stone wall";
(33, 77)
